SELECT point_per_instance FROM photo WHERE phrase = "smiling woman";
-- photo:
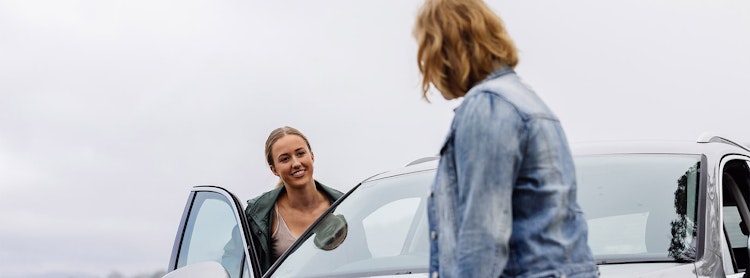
(278, 217)
(110, 111)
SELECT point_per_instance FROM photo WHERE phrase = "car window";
(387, 227)
(380, 229)
(640, 207)
(211, 234)
(732, 223)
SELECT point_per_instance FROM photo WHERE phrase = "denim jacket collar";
(502, 70)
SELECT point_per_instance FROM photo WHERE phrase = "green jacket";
(259, 215)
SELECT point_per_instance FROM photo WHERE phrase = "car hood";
(622, 270)
(647, 270)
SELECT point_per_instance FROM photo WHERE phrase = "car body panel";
(647, 270)
(209, 269)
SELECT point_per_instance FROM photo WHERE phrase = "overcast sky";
(111, 110)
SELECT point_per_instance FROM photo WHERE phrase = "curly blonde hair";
(460, 42)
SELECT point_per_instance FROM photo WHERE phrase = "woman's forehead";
(289, 142)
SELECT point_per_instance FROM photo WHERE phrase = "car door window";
(212, 234)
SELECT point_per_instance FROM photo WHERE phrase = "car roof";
(418, 165)
(655, 146)
(706, 144)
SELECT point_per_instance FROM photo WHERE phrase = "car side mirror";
(331, 232)
(208, 269)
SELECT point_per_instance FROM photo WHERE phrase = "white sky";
(111, 110)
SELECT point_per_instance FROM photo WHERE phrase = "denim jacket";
(503, 203)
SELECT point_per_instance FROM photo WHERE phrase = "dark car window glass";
(640, 206)
(211, 235)
(380, 229)
(732, 222)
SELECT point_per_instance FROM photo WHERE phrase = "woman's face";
(292, 161)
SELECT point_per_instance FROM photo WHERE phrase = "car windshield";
(638, 207)
(380, 229)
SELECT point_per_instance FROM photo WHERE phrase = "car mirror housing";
(331, 232)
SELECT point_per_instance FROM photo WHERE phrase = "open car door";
(213, 231)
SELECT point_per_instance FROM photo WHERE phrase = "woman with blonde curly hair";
(503, 203)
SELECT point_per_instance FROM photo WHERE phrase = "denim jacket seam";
(525, 116)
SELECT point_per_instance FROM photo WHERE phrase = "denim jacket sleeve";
(488, 134)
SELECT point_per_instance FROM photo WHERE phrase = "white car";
(654, 209)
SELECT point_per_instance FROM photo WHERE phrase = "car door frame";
(725, 245)
(239, 213)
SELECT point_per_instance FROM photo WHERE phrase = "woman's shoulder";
(266, 199)
(333, 193)
(510, 91)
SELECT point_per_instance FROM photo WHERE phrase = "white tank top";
(282, 238)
